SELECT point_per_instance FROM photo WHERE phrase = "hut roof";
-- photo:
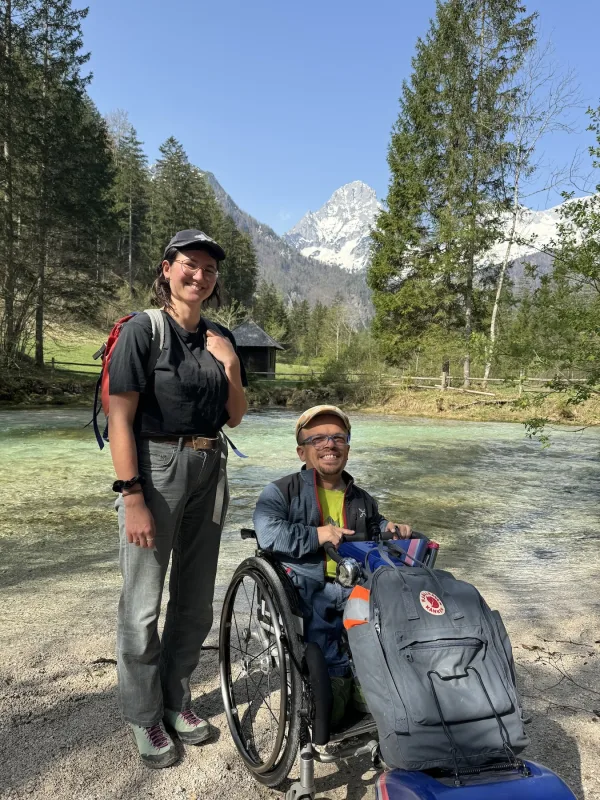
(249, 334)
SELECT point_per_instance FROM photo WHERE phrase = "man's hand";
(400, 530)
(329, 533)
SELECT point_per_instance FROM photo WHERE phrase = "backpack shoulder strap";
(158, 336)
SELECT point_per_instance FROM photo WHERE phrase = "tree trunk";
(7, 341)
(468, 329)
(39, 306)
(473, 221)
(43, 213)
(501, 276)
(130, 252)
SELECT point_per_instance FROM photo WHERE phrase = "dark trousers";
(322, 608)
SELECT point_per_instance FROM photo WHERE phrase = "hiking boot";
(190, 728)
(155, 746)
(341, 689)
(358, 698)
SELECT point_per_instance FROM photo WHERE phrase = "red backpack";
(105, 352)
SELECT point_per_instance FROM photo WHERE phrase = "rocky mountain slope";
(296, 276)
(339, 232)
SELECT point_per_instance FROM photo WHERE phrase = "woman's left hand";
(221, 348)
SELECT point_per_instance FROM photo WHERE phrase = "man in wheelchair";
(297, 515)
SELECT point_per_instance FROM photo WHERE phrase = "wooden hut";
(257, 349)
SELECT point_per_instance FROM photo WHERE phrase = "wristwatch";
(119, 486)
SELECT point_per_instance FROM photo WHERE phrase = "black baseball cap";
(183, 239)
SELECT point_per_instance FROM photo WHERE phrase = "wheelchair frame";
(275, 645)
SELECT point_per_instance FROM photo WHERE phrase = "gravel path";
(62, 736)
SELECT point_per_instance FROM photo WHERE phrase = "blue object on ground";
(542, 784)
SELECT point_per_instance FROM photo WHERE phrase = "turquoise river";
(508, 514)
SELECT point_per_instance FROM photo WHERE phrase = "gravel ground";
(62, 736)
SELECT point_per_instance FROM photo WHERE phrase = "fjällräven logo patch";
(432, 603)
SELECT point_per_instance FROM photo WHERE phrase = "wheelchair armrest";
(248, 533)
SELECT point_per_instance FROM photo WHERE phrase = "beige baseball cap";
(317, 411)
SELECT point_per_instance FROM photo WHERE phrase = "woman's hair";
(162, 288)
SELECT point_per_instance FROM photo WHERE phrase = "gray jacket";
(288, 513)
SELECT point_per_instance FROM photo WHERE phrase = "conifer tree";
(182, 198)
(82, 235)
(298, 325)
(58, 91)
(572, 311)
(314, 340)
(131, 199)
(14, 155)
(55, 170)
(446, 193)
(238, 272)
(77, 207)
(269, 311)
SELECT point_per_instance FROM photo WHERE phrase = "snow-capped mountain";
(534, 232)
(295, 277)
(339, 232)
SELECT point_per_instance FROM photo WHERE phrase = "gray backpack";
(436, 668)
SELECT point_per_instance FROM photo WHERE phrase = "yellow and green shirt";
(332, 510)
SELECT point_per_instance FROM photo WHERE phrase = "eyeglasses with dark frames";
(320, 441)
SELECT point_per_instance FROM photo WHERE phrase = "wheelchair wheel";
(260, 651)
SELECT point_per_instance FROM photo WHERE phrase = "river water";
(519, 521)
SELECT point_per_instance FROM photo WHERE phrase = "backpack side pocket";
(384, 702)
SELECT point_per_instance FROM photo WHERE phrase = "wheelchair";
(277, 693)
(276, 689)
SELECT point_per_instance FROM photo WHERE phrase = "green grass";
(282, 369)
(73, 343)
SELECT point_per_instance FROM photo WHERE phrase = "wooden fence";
(444, 381)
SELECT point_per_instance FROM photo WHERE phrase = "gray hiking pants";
(186, 491)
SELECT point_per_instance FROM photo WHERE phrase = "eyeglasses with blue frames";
(320, 441)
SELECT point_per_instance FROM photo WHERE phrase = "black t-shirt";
(186, 393)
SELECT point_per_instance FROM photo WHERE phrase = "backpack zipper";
(377, 626)
(440, 645)
(445, 643)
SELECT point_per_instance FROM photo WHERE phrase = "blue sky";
(287, 100)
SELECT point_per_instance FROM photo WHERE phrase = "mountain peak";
(354, 190)
(340, 231)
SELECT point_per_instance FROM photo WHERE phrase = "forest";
(84, 215)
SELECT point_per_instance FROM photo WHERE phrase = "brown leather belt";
(196, 442)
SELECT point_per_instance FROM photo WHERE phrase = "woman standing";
(169, 458)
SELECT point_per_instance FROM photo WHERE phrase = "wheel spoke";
(245, 653)
(261, 689)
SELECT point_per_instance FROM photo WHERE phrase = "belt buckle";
(203, 443)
